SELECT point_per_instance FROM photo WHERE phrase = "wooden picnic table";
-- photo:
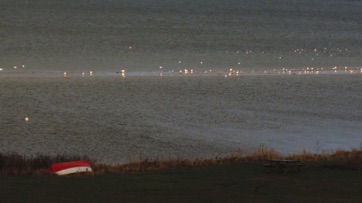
(284, 165)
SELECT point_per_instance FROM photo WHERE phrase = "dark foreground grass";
(333, 177)
(239, 182)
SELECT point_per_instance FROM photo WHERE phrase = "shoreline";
(186, 72)
(12, 163)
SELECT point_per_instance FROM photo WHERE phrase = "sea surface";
(110, 35)
(121, 81)
(120, 119)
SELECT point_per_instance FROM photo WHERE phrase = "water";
(282, 91)
(116, 119)
(141, 35)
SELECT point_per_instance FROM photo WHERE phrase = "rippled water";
(142, 35)
(116, 119)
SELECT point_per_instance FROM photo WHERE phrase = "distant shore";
(186, 72)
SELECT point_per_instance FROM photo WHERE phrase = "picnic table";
(284, 165)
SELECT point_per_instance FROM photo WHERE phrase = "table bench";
(285, 165)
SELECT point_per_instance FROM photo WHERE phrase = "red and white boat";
(71, 167)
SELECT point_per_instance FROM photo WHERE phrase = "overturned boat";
(71, 167)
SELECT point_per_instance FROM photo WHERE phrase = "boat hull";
(72, 167)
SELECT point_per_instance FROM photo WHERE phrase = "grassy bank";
(335, 177)
(15, 164)
(237, 182)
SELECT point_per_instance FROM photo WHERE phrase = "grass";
(332, 177)
(15, 164)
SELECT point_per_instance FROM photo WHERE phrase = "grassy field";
(324, 178)
(244, 182)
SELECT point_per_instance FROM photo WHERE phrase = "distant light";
(65, 74)
(83, 74)
(179, 61)
(201, 62)
(130, 47)
(1, 69)
(90, 73)
(23, 66)
(26, 119)
(15, 67)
